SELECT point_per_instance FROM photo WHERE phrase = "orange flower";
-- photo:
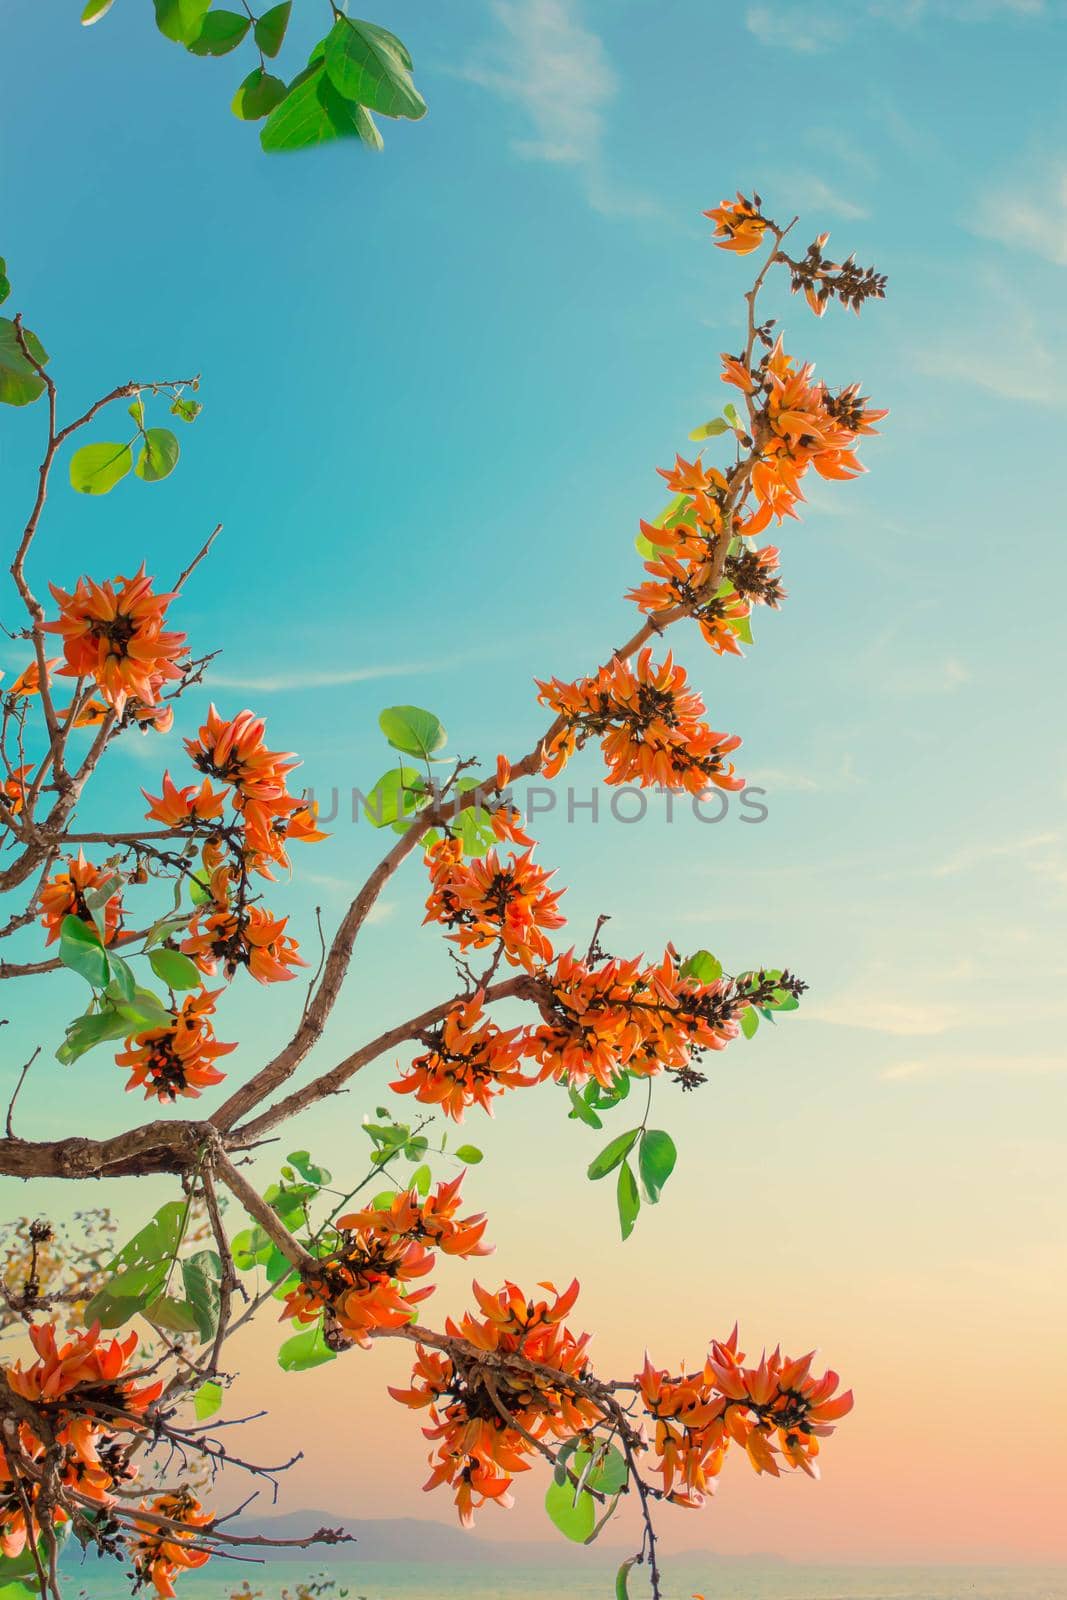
(64, 896)
(486, 900)
(113, 633)
(28, 681)
(363, 1283)
(738, 224)
(251, 938)
(161, 1553)
(179, 1059)
(800, 424)
(623, 1016)
(189, 804)
(483, 1420)
(469, 1061)
(648, 723)
(235, 754)
(776, 1411)
(13, 789)
(86, 1399)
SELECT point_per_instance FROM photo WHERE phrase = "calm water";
(728, 1581)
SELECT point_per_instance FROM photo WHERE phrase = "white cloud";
(929, 1066)
(939, 677)
(1038, 852)
(276, 682)
(547, 62)
(1022, 214)
(805, 30)
(799, 28)
(1018, 355)
(878, 1013)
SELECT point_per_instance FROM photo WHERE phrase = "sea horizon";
(717, 1578)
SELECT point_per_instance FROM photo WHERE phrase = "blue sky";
(437, 383)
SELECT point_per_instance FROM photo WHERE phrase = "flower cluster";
(799, 423)
(164, 1549)
(64, 895)
(178, 1059)
(234, 753)
(776, 1411)
(649, 724)
(738, 224)
(112, 634)
(485, 1416)
(486, 901)
(469, 1061)
(624, 1016)
(83, 1400)
(363, 1282)
(250, 937)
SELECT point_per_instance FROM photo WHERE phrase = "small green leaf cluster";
(358, 70)
(96, 468)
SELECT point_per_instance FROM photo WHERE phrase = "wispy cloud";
(277, 682)
(1020, 354)
(800, 28)
(807, 30)
(937, 677)
(547, 62)
(1027, 214)
(879, 1013)
(1007, 1064)
(1038, 852)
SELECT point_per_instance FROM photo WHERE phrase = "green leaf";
(622, 1588)
(201, 1275)
(629, 1199)
(397, 795)
(308, 1169)
(470, 1154)
(159, 455)
(416, 732)
(5, 286)
(582, 1111)
(421, 1179)
(370, 67)
(180, 20)
(609, 1473)
(80, 949)
(122, 989)
(89, 1030)
(730, 412)
(20, 383)
(207, 1400)
(612, 1154)
(94, 10)
(172, 1314)
(139, 1271)
(258, 95)
(187, 410)
(313, 113)
(174, 969)
(655, 1161)
(270, 29)
(145, 1010)
(96, 468)
(710, 430)
(250, 1248)
(305, 1350)
(220, 32)
(749, 1022)
(702, 966)
(573, 1511)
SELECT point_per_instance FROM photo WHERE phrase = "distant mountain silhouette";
(413, 1539)
(417, 1539)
